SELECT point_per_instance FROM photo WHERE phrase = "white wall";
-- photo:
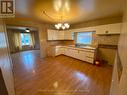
(120, 87)
(5, 62)
(123, 55)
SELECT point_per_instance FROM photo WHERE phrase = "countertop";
(83, 47)
(78, 47)
(108, 46)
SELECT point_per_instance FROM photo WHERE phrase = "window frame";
(85, 32)
(25, 42)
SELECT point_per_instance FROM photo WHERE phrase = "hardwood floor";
(60, 75)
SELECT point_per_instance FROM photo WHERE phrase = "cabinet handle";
(106, 31)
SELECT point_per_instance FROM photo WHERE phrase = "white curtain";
(32, 40)
(18, 41)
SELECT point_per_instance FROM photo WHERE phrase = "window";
(84, 38)
(72, 35)
(25, 38)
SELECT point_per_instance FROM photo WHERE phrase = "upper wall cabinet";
(109, 29)
(68, 35)
(59, 35)
(50, 34)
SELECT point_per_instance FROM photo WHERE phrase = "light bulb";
(59, 24)
(66, 25)
(57, 27)
(63, 27)
(27, 30)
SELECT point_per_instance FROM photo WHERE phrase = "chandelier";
(62, 26)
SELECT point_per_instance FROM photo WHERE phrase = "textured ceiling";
(72, 11)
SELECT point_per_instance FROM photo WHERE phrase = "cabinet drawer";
(90, 54)
(90, 60)
(86, 54)
(73, 53)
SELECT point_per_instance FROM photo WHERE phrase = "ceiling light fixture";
(62, 26)
(27, 30)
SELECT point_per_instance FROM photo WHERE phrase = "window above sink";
(84, 38)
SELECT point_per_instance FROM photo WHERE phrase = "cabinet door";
(62, 50)
(115, 28)
(50, 34)
(109, 29)
(90, 60)
(68, 35)
(71, 52)
(66, 51)
(57, 51)
(86, 56)
(103, 29)
(75, 53)
(82, 55)
(90, 54)
(60, 35)
(55, 34)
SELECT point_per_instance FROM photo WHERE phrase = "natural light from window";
(25, 37)
(84, 38)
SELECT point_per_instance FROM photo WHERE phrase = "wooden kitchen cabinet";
(102, 29)
(84, 54)
(60, 35)
(50, 34)
(108, 29)
(115, 28)
(66, 51)
(59, 50)
(68, 35)
(71, 52)
(75, 53)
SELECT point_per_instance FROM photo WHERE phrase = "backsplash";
(111, 39)
(107, 39)
(107, 47)
(97, 39)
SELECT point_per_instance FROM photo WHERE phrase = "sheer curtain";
(32, 40)
(17, 43)
(14, 40)
(18, 40)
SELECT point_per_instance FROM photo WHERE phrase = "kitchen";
(68, 47)
(102, 42)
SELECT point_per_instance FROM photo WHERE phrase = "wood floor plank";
(59, 75)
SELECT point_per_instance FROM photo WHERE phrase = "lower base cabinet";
(87, 55)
